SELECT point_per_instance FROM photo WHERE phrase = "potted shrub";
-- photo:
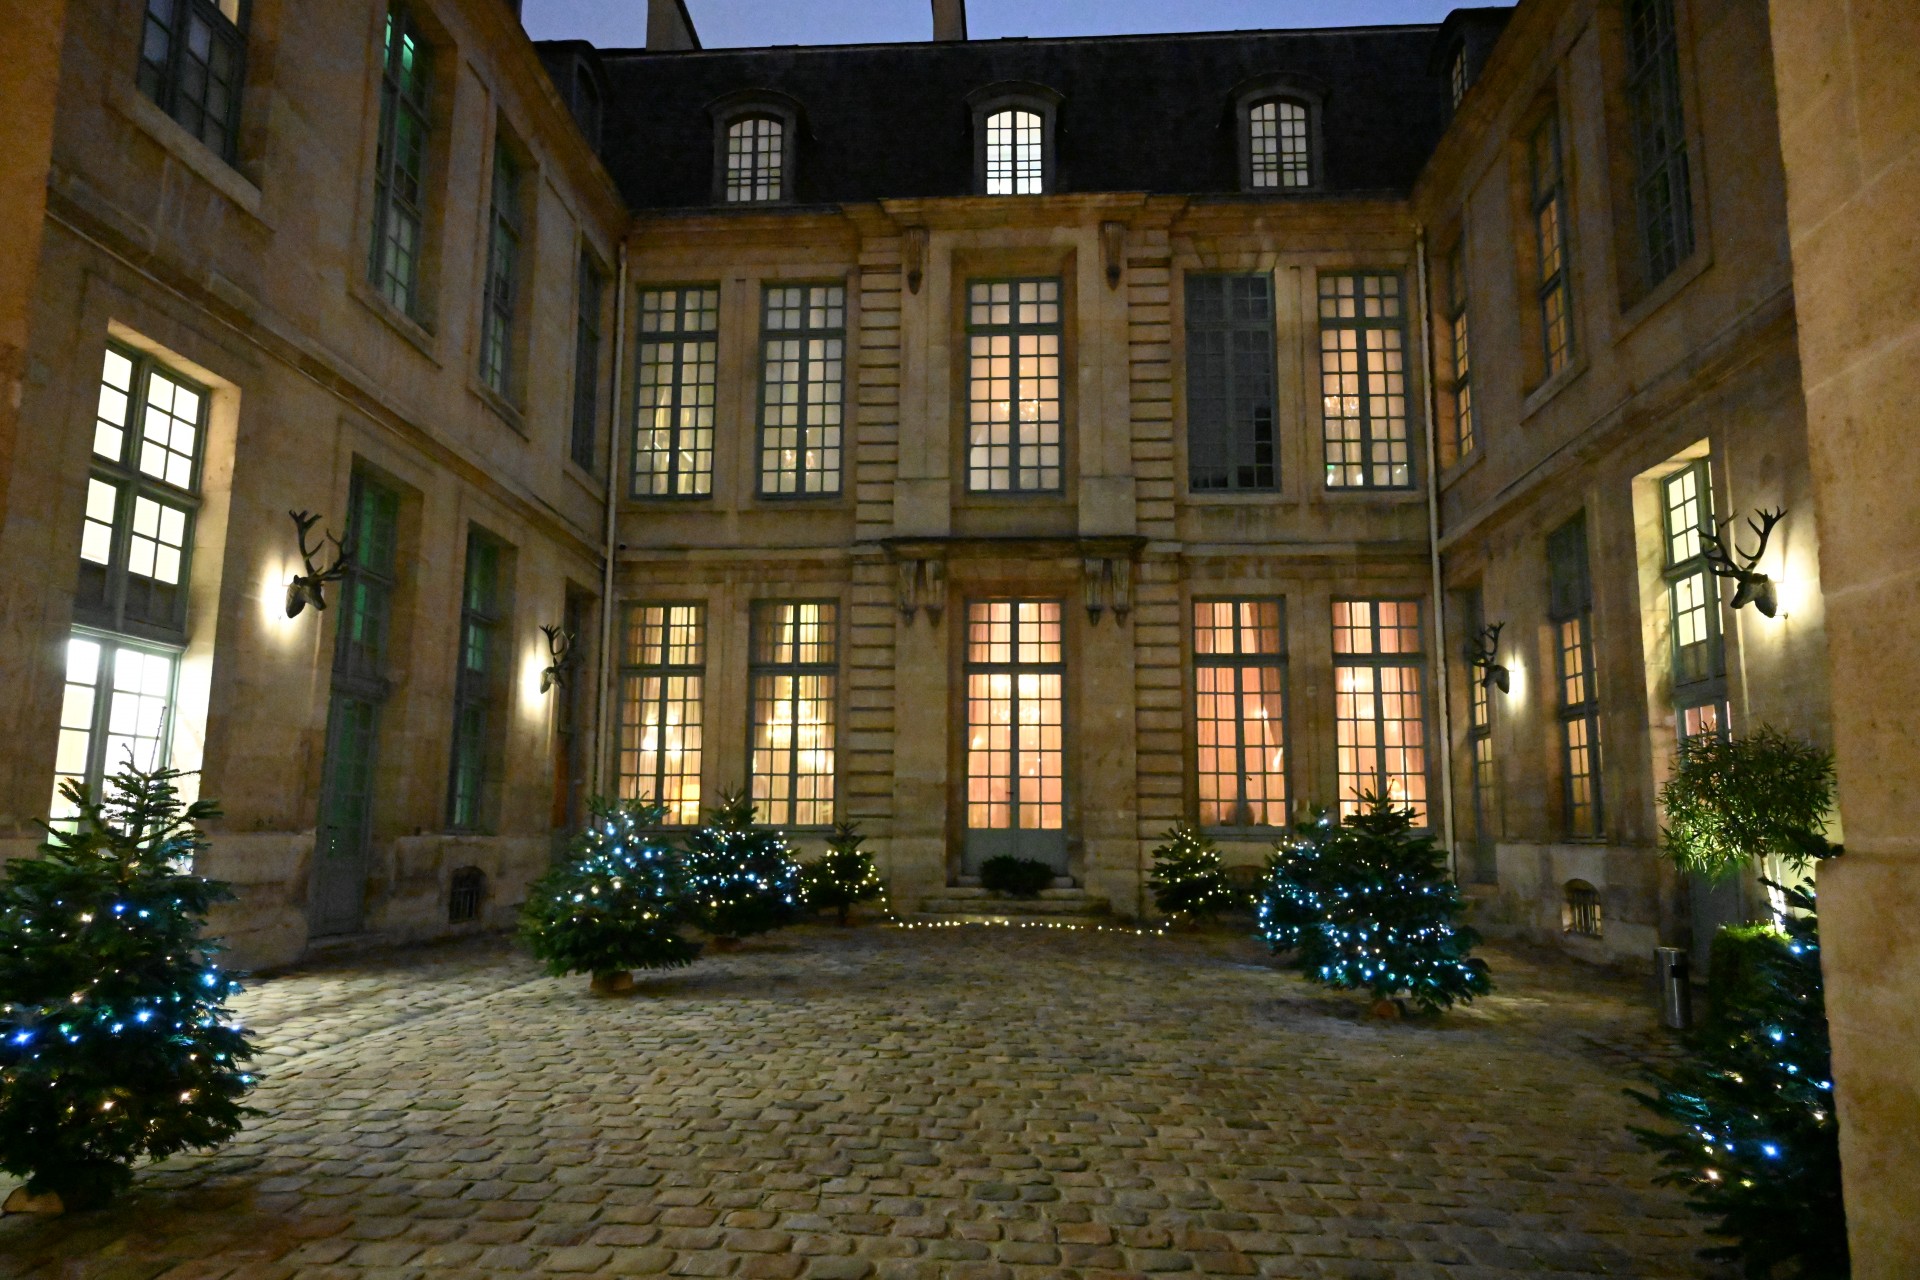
(1015, 877)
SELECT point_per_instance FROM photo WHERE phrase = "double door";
(1015, 753)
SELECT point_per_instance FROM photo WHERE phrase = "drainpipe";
(601, 738)
(1445, 662)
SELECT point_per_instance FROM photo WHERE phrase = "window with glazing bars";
(366, 592)
(1554, 291)
(794, 678)
(1380, 728)
(400, 163)
(662, 677)
(1486, 802)
(803, 343)
(116, 712)
(1230, 383)
(1239, 682)
(756, 158)
(1016, 155)
(1460, 352)
(1693, 604)
(1570, 609)
(1457, 75)
(1363, 382)
(1013, 347)
(1016, 672)
(1663, 188)
(193, 58)
(503, 272)
(477, 681)
(136, 539)
(678, 368)
(1277, 146)
(589, 300)
(571, 721)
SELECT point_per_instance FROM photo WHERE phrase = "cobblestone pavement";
(881, 1102)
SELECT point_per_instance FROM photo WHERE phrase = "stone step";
(967, 903)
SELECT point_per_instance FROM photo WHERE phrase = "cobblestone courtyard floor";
(879, 1102)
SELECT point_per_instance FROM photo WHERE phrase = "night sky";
(722, 23)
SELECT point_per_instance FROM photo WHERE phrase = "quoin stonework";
(1013, 446)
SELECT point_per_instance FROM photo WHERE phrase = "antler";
(1484, 654)
(1728, 559)
(309, 588)
(560, 649)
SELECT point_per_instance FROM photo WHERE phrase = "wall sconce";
(1484, 654)
(560, 650)
(310, 588)
(1724, 556)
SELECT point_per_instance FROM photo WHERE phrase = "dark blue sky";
(623, 23)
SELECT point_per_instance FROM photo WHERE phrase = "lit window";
(1457, 75)
(1380, 733)
(1570, 608)
(1458, 349)
(1016, 153)
(795, 671)
(1662, 185)
(1231, 440)
(1486, 800)
(1013, 345)
(1363, 382)
(662, 673)
(756, 160)
(1277, 147)
(1239, 679)
(503, 272)
(1699, 668)
(803, 375)
(477, 684)
(1554, 289)
(116, 713)
(193, 63)
(1015, 756)
(678, 373)
(400, 162)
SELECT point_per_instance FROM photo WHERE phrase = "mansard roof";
(1136, 113)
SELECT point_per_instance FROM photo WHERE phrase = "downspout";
(1444, 665)
(603, 683)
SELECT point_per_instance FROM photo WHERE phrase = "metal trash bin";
(1676, 987)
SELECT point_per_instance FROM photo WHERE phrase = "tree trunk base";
(724, 943)
(1387, 1009)
(616, 983)
(20, 1202)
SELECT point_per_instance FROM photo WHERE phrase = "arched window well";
(754, 136)
(1278, 121)
(1013, 140)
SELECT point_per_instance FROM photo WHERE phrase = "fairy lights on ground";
(1001, 922)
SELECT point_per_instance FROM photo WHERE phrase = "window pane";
(678, 375)
(660, 708)
(1380, 724)
(1014, 386)
(1363, 382)
(1277, 145)
(1015, 747)
(1015, 159)
(794, 677)
(803, 354)
(755, 158)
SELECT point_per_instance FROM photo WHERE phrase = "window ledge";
(504, 409)
(1538, 397)
(1631, 318)
(422, 338)
(834, 499)
(1449, 474)
(127, 99)
(1238, 497)
(591, 481)
(1352, 493)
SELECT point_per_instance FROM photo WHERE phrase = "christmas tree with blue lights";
(616, 903)
(1368, 905)
(741, 878)
(115, 1040)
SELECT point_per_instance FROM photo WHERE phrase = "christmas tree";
(1188, 879)
(1369, 905)
(843, 876)
(617, 903)
(115, 1040)
(1759, 1144)
(741, 878)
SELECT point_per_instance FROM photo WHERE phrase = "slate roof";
(1139, 113)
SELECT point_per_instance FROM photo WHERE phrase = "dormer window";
(754, 136)
(1013, 140)
(1279, 128)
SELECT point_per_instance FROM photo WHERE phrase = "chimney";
(670, 26)
(949, 19)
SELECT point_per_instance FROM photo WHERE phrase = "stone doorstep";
(970, 904)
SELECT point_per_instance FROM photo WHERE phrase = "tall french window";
(794, 678)
(589, 301)
(756, 160)
(803, 345)
(1380, 731)
(662, 678)
(1663, 189)
(193, 57)
(1230, 383)
(1278, 152)
(1486, 797)
(1460, 353)
(1570, 609)
(1239, 683)
(506, 231)
(477, 684)
(1553, 288)
(677, 373)
(400, 163)
(1363, 382)
(1693, 604)
(1013, 384)
(1016, 756)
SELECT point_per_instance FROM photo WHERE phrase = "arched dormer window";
(1279, 135)
(1013, 139)
(754, 137)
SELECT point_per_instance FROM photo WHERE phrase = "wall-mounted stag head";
(1728, 559)
(560, 650)
(1485, 653)
(310, 588)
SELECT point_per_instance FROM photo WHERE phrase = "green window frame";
(1240, 711)
(1232, 436)
(1663, 184)
(756, 160)
(505, 231)
(1380, 722)
(1570, 609)
(794, 677)
(1697, 648)
(193, 65)
(1015, 410)
(662, 687)
(477, 683)
(1553, 284)
(803, 356)
(1460, 354)
(1483, 778)
(677, 378)
(1363, 381)
(589, 302)
(400, 162)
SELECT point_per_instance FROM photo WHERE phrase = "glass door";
(1016, 776)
